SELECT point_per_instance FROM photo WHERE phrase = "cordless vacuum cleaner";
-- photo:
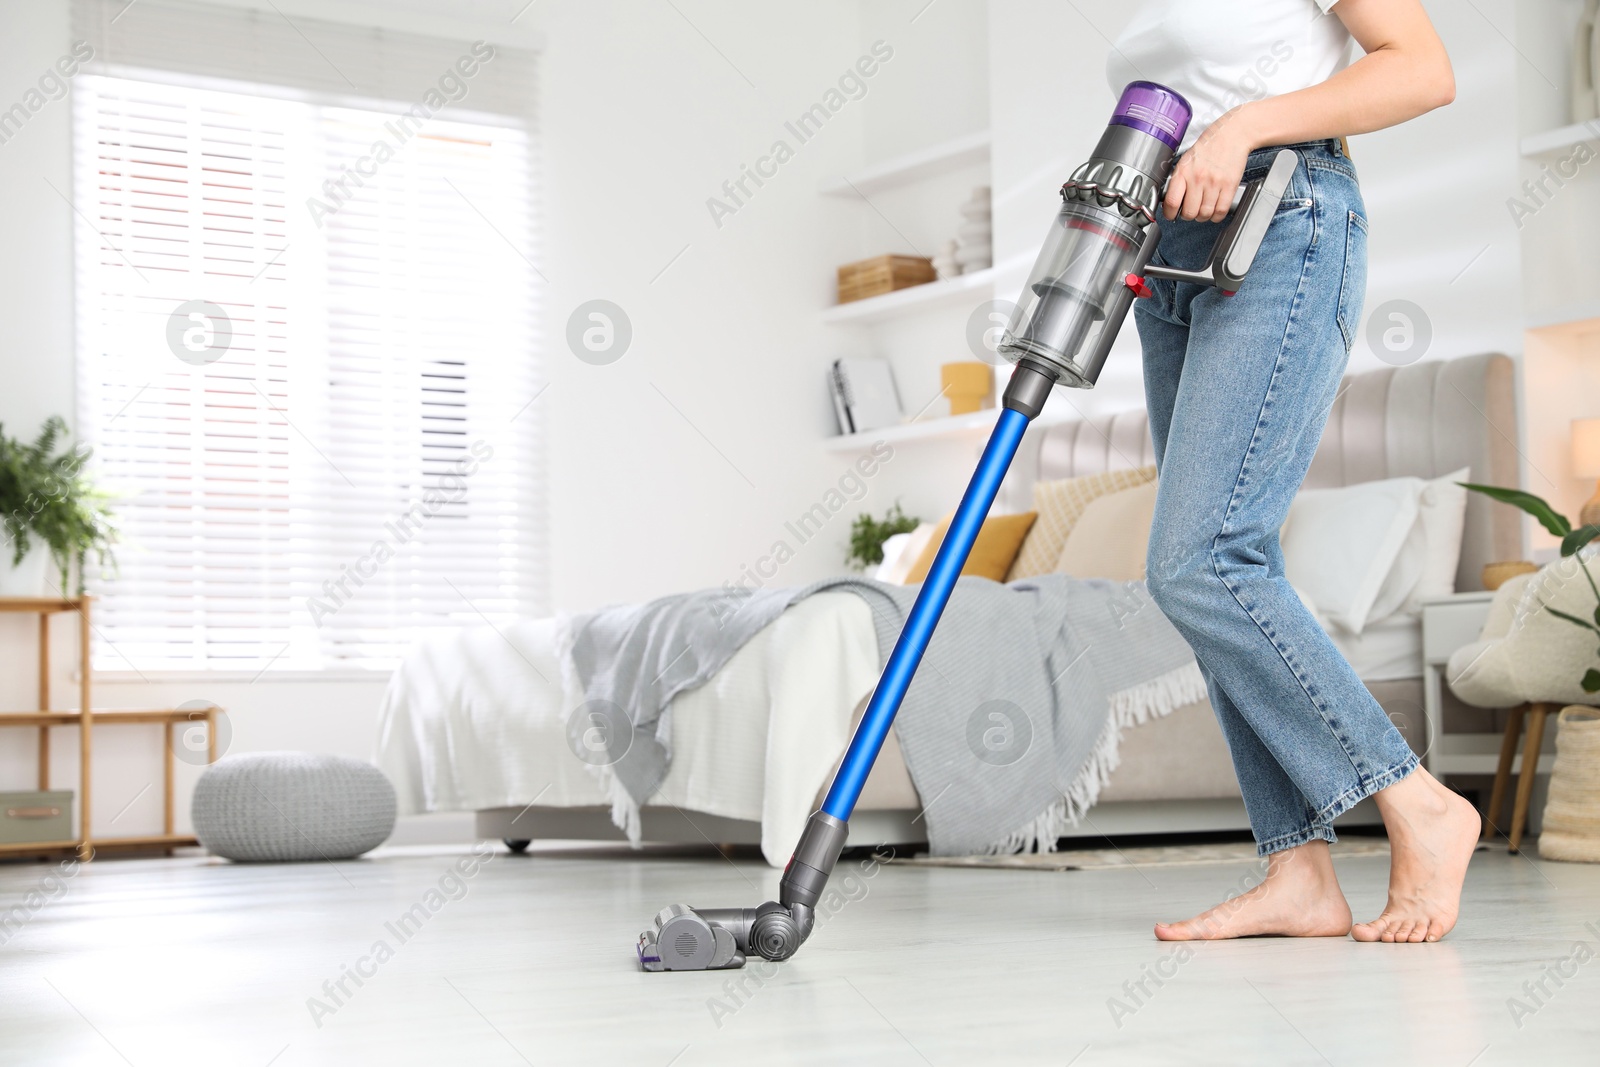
(1093, 265)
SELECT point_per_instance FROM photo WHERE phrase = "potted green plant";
(867, 536)
(1573, 541)
(51, 511)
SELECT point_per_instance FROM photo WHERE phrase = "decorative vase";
(968, 384)
(28, 578)
(944, 263)
(1584, 100)
(1571, 828)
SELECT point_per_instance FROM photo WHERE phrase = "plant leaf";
(1575, 540)
(1585, 623)
(1548, 517)
(1591, 681)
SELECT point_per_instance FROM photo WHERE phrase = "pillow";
(1425, 567)
(1340, 545)
(1400, 584)
(909, 552)
(1109, 538)
(1443, 518)
(992, 553)
(1059, 504)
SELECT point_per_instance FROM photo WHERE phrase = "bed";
(479, 720)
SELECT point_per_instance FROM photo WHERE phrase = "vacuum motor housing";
(1080, 288)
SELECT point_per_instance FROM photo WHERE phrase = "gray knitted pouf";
(285, 807)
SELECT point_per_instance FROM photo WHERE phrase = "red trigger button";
(1136, 283)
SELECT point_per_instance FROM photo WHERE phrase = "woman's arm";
(1405, 73)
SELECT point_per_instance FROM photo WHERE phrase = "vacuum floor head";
(683, 941)
(714, 939)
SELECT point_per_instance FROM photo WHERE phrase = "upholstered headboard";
(1426, 420)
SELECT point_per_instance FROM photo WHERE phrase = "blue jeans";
(1239, 389)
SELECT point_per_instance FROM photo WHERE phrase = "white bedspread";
(477, 719)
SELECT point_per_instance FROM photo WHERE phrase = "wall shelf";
(1565, 137)
(907, 301)
(950, 155)
(922, 430)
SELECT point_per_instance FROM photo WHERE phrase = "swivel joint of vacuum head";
(713, 939)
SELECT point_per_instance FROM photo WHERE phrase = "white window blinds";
(305, 340)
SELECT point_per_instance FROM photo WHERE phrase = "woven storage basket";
(1572, 814)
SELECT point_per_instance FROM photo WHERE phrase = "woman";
(1238, 391)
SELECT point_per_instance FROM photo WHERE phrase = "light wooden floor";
(191, 960)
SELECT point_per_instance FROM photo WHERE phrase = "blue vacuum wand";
(1091, 268)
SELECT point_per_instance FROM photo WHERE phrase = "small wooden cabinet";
(88, 720)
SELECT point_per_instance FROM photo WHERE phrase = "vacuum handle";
(1236, 246)
(1254, 217)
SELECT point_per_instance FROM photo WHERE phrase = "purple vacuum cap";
(1154, 109)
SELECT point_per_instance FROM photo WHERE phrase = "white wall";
(679, 465)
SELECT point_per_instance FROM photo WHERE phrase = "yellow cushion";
(1109, 538)
(992, 553)
(1059, 505)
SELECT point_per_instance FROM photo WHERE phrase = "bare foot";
(1299, 897)
(1432, 832)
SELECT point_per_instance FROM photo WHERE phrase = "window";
(306, 365)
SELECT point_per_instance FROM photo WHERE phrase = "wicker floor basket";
(1572, 814)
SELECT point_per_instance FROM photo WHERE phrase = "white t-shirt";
(1221, 53)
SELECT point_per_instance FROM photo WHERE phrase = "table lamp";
(1586, 464)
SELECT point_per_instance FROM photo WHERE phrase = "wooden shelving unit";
(85, 719)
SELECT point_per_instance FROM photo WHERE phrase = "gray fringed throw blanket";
(1010, 728)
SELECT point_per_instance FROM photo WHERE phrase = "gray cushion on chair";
(292, 806)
